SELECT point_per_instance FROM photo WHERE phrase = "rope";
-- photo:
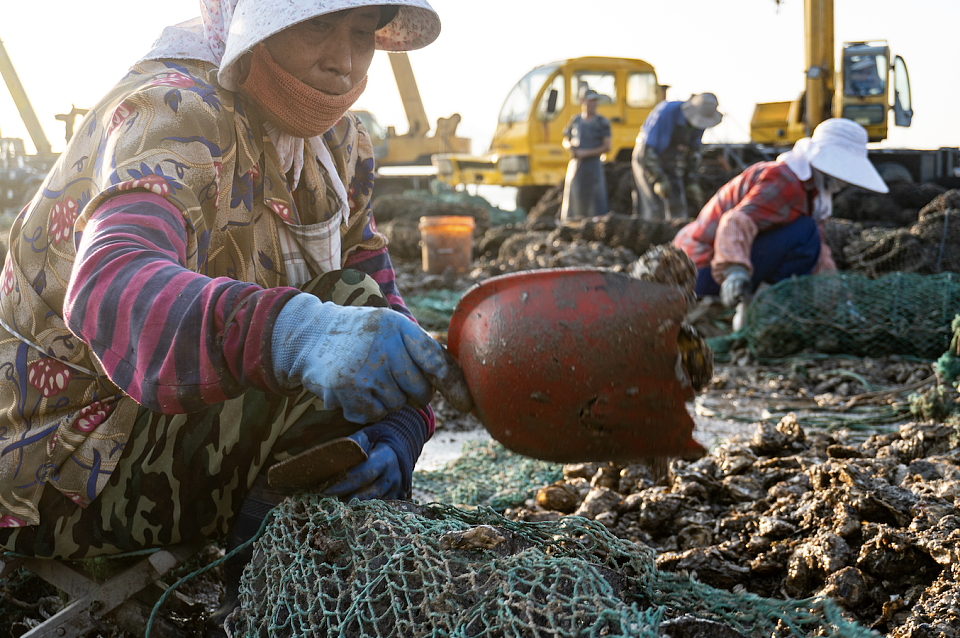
(943, 237)
(219, 561)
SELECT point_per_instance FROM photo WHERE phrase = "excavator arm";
(415, 147)
(20, 98)
(409, 94)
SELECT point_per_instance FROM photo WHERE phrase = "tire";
(528, 196)
(892, 171)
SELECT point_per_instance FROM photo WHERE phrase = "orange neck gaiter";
(291, 105)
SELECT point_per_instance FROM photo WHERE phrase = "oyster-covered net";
(374, 568)
(930, 245)
(896, 314)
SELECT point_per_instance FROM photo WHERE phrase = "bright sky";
(746, 51)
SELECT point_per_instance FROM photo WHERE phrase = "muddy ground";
(811, 424)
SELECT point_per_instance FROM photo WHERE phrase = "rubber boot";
(259, 503)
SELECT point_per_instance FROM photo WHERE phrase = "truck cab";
(526, 150)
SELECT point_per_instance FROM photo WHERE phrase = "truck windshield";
(603, 82)
(517, 106)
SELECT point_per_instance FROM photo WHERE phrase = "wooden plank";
(61, 576)
(99, 600)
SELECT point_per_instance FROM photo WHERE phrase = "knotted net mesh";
(896, 314)
(375, 568)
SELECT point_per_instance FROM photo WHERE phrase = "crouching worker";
(199, 290)
(764, 225)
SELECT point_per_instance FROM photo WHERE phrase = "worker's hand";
(736, 284)
(393, 446)
(662, 188)
(694, 195)
(365, 361)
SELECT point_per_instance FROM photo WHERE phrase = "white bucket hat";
(838, 148)
(230, 28)
(701, 110)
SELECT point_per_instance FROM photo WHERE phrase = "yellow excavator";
(860, 90)
(406, 157)
(21, 174)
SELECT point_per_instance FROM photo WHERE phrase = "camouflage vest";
(170, 129)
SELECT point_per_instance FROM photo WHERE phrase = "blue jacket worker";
(667, 155)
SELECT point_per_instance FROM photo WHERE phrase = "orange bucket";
(447, 243)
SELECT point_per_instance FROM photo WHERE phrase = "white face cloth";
(226, 29)
(798, 161)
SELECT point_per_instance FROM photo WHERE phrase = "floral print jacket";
(168, 129)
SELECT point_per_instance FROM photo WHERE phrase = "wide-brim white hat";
(701, 110)
(415, 26)
(838, 147)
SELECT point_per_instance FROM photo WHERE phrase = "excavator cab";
(864, 77)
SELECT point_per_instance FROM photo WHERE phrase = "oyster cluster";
(609, 241)
(790, 514)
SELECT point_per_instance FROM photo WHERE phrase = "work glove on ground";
(393, 446)
(736, 285)
(662, 188)
(365, 361)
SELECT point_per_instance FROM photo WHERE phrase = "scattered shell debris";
(792, 513)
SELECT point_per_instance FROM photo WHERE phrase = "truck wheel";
(528, 196)
(892, 171)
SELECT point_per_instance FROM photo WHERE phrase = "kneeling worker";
(764, 225)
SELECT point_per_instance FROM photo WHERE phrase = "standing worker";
(764, 224)
(667, 155)
(587, 137)
(199, 291)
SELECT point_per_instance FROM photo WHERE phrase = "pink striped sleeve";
(158, 328)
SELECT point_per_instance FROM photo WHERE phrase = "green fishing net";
(487, 474)
(433, 309)
(896, 314)
(375, 568)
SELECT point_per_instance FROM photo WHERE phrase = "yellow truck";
(526, 150)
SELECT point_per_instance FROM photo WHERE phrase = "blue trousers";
(777, 254)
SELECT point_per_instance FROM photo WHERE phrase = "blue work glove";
(365, 361)
(393, 445)
(735, 286)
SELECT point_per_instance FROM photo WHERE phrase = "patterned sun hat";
(229, 28)
(415, 26)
